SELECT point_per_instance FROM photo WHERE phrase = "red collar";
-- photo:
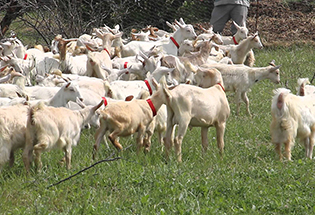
(149, 87)
(234, 40)
(105, 101)
(125, 65)
(221, 86)
(151, 106)
(174, 41)
(107, 51)
(25, 56)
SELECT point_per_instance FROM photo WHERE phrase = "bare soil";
(281, 23)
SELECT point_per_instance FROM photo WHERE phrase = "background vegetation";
(248, 180)
(47, 18)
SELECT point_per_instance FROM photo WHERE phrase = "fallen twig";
(89, 167)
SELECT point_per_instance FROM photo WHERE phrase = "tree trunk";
(12, 12)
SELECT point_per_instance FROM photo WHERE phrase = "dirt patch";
(283, 23)
(280, 23)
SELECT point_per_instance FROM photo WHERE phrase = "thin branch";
(108, 159)
(89, 167)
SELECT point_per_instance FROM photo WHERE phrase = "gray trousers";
(222, 14)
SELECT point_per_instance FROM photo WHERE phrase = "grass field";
(248, 180)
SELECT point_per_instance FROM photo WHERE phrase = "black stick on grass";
(89, 167)
(312, 78)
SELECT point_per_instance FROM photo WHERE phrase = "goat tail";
(33, 110)
(278, 106)
(301, 86)
(250, 59)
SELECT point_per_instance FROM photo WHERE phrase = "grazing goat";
(50, 127)
(292, 117)
(192, 106)
(240, 78)
(126, 118)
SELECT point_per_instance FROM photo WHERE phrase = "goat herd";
(149, 82)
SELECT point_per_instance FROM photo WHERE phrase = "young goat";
(238, 53)
(240, 78)
(126, 118)
(50, 127)
(192, 106)
(292, 116)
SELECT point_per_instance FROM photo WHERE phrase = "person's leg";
(220, 16)
(239, 15)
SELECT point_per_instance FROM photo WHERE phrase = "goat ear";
(277, 67)
(255, 35)
(236, 25)
(181, 20)
(129, 98)
(143, 55)
(272, 63)
(80, 103)
(68, 84)
(188, 82)
(98, 106)
(179, 24)
(18, 94)
(118, 34)
(155, 83)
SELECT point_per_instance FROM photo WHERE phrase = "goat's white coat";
(240, 78)
(292, 117)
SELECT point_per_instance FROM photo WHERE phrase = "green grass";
(248, 180)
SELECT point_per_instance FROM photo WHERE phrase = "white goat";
(97, 59)
(304, 88)
(240, 35)
(71, 64)
(292, 117)
(240, 78)
(50, 127)
(192, 106)
(68, 92)
(239, 52)
(16, 88)
(12, 131)
(170, 46)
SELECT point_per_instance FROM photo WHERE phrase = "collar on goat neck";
(174, 41)
(234, 40)
(25, 57)
(105, 101)
(151, 106)
(107, 51)
(221, 86)
(148, 85)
